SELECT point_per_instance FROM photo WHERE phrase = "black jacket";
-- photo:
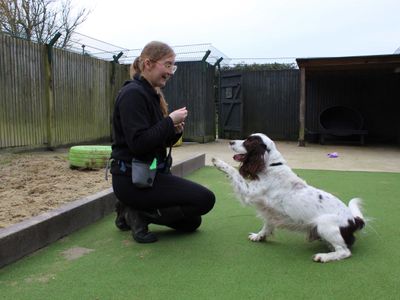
(139, 129)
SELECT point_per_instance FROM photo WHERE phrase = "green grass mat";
(218, 261)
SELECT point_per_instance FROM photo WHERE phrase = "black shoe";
(144, 237)
(139, 225)
(120, 221)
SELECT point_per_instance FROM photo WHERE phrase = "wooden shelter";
(367, 84)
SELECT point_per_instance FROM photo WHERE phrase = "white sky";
(252, 28)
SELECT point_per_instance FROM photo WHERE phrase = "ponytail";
(135, 67)
(163, 102)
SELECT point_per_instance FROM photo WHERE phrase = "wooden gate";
(230, 112)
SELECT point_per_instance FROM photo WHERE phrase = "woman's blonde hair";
(154, 51)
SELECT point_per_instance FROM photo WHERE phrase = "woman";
(142, 130)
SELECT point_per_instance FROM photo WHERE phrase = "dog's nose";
(231, 143)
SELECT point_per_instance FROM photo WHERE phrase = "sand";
(33, 183)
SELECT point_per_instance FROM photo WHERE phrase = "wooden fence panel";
(271, 103)
(76, 108)
(81, 99)
(23, 109)
(193, 86)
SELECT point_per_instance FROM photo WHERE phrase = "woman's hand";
(179, 127)
(178, 116)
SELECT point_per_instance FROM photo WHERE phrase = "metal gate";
(230, 112)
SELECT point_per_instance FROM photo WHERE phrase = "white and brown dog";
(283, 200)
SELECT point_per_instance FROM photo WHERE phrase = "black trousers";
(167, 191)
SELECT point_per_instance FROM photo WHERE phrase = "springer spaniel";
(283, 200)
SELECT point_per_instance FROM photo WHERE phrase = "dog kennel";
(350, 99)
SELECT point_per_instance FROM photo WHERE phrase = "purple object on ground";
(333, 155)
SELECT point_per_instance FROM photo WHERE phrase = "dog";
(284, 200)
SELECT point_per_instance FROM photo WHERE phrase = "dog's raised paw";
(217, 162)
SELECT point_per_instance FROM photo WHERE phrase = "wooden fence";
(271, 103)
(260, 101)
(193, 86)
(48, 99)
(55, 98)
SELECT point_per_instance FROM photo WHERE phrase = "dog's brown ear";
(251, 166)
(253, 162)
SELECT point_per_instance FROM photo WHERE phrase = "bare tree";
(40, 20)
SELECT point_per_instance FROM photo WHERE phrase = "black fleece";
(141, 131)
(139, 128)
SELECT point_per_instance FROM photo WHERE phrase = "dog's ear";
(254, 161)
(249, 169)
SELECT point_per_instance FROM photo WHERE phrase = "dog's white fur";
(283, 200)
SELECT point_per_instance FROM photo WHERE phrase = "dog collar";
(276, 164)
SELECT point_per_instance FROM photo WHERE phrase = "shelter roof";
(390, 61)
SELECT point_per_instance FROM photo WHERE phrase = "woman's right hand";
(178, 116)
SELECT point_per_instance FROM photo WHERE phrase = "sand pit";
(36, 182)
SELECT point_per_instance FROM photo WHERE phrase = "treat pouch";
(143, 173)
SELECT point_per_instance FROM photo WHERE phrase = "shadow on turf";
(166, 234)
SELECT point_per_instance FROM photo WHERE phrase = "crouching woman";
(143, 130)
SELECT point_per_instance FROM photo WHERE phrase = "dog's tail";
(355, 208)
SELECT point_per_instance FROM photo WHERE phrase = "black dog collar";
(276, 164)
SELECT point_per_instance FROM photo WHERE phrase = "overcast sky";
(251, 28)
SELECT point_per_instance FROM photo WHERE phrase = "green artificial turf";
(218, 261)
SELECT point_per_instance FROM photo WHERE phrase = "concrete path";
(313, 156)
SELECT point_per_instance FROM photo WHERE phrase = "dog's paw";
(332, 256)
(218, 163)
(257, 237)
(322, 257)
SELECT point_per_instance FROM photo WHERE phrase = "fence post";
(218, 99)
(49, 90)
(302, 109)
(114, 62)
(204, 60)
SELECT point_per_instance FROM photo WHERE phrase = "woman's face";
(158, 72)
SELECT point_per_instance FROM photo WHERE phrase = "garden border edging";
(21, 239)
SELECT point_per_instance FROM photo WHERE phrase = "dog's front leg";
(265, 232)
(240, 186)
